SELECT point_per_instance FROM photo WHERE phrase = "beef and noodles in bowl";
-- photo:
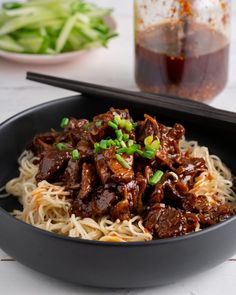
(117, 180)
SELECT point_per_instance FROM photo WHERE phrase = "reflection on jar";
(182, 47)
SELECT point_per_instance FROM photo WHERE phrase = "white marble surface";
(112, 67)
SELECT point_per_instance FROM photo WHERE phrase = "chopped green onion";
(126, 137)
(131, 150)
(103, 144)
(64, 122)
(138, 146)
(110, 142)
(148, 140)
(116, 120)
(122, 162)
(98, 123)
(122, 150)
(128, 126)
(140, 152)
(61, 146)
(116, 141)
(135, 125)
(155, 144)
(149, 154)
(112, 125)
(122, 123)
(122, 143)
(130, 142)
(149, 148)
(156, 177)
(97, 147)
(119, 134)
(75, 155)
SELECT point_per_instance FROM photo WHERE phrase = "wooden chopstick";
(191, 109)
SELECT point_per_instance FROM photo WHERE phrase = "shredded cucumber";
(52, 26)
(9, 44)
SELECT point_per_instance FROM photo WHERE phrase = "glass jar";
(182, 47)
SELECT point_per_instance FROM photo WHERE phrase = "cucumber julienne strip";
(54, 26)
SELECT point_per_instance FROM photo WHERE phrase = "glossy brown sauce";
(192, 64)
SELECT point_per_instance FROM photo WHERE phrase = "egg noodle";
(47, 206)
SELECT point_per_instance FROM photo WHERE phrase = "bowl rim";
(95, 242)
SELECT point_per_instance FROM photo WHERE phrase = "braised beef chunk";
(121, 210)
(216, 214)
(103, 201)
(82, 208)
(119, 172)
(114, 167)
(51, 163)
(99, 128)
(190, 169)
(197, 204)
(166, 222)
(141, 185)
(78, 125)
(77, 130)
(133, 192)
(146, 128)
(124, 114)
(43, 142)
(102, 168)
(209, 212)
(85, 148)
(88, 180)
(169, 188)
(169, 152)
(71, 175)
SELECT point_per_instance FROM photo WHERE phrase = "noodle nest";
(47, 206)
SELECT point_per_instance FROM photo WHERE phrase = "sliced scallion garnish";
(97, 148)
(103, 144)
(130, 142)
(116, 120)
(122, 161)
(128, 126)
(126, 137)
(75, 154)
(119, 134)
(155, 144)
(122, 143)
(122, 150)
(112, 125)
(64, 122)
(156, 177)
(61, 146)
(148, 140)
(131, 150)
(149, 154)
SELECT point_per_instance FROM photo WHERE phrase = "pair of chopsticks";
(187, 107)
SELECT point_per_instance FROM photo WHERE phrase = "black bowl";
(109, 264)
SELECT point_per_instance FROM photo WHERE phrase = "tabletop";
(113, 67)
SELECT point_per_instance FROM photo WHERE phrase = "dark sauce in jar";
(188, 60)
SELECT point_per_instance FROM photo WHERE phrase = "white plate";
(41, 59)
